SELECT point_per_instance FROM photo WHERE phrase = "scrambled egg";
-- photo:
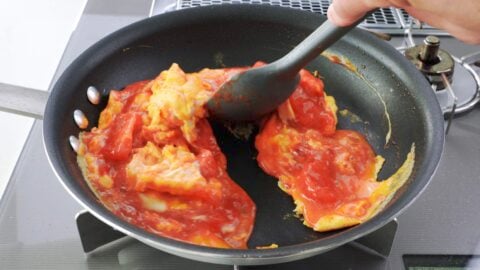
(332, 177)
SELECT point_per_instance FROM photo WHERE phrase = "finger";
(463, 31)
(346, 12)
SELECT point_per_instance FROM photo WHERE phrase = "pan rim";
(248, 256)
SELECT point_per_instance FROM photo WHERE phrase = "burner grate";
(98, 239)
(382, 18)
(387, 20)
(407, 20)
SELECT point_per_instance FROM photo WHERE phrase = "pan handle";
(23, 101)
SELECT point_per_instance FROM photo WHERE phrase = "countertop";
(33, 34)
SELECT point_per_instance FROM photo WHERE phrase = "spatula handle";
(22, 100)
(322, 38)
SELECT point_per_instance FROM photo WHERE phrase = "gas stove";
(439, 231)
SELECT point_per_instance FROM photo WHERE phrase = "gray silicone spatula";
(258, 91)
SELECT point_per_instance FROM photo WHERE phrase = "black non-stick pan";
(387, 93)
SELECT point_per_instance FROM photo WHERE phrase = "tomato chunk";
(118, 145)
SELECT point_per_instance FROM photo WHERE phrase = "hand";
(461, 18)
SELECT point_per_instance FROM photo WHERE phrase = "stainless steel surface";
(22, 100)
(454, 105)
(471, 62)
(430, 52)
(80, 119)
(473, 58)
(37, 216)
(465, 89)
(93, 95)
(74, 143)
(94, 233)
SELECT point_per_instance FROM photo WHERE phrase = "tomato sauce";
(215, 212)
(150, 167)
(322, 168)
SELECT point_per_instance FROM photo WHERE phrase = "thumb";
(346, 12)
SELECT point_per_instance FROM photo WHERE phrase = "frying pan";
(386, 87)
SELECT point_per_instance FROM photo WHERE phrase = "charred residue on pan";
(240, 130)
(218, 59)
(351, 116)
(142, 46)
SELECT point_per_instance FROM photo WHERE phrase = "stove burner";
(465, 84)
(368, 252)
(457, 92)
(432, 61)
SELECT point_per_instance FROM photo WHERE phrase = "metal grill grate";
(407, 19)
(389, 20)
(383, 18)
